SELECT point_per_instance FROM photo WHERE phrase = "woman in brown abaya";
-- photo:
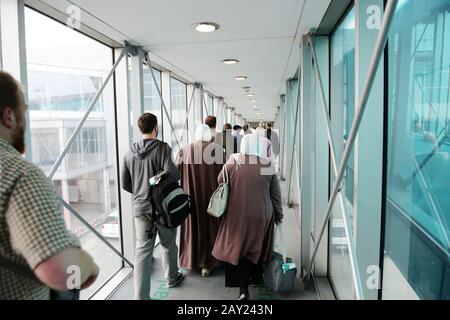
(199, 164)
(246, 234)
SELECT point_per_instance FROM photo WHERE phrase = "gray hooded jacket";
(140, 164)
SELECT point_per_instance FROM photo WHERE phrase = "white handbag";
(219, 200)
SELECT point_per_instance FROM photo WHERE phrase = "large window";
(210, 106)
(65, 70)
(178, 95)
(152, 100)
(342, 68)
(417, 248)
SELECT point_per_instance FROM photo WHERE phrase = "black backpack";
(171, 205)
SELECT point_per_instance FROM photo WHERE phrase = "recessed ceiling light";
(206, 26)
(250, 95)
(253, 101)
(240, 78)
(246, 88)
(230, 61)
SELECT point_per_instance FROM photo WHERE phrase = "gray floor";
(196, 287)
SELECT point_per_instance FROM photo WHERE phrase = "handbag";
(219, 200)
(27, 273)
(280, 273)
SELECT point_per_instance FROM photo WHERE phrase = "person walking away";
(237, 138)
(140, 164)
(246, 234)
(272, 136)
(211, 122)
(199, 164)
(247, 129)
(37, 252)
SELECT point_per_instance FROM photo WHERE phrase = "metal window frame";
(373, 67)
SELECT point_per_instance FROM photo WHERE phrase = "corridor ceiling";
(264, 35)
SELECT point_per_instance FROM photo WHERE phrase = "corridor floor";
(195, 287)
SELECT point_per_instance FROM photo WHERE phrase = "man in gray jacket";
(141, 163)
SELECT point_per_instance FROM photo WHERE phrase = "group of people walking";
(37, 251)
(242, 239)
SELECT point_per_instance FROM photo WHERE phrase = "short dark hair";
(147, 123)
(227, 126)
(9, 92)
(237, 127)
(246, 127)
(211, 122)
(269, 124)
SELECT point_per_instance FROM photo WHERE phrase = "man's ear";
(8, 118)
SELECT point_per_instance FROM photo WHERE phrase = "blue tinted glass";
(418, 180)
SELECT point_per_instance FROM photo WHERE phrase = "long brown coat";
(199, 181)
(247, 228)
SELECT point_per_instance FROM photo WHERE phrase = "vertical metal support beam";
(124, 140)
(220, 112)
(137, 89)
(306, 202)
(13, 52)
(373, 67)
(321, 156)
(282, 135)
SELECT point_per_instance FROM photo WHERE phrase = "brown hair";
(147, 123)
(211, 122)
(9, 92)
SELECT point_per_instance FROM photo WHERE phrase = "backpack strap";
(162, 157)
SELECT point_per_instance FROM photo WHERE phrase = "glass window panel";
(343, 108)
(210, 105)
(65, 71)
(152, 100)
(178, 95)
(417, 248)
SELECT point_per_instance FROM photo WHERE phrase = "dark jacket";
(140, 164)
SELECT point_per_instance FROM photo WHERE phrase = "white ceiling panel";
(263, 34)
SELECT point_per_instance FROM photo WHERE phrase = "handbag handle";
(225, 174)
(282, 243)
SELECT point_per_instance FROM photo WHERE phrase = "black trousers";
(240, 276)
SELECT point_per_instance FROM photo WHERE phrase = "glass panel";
(343, 106)
(178, 95)
(417, 248)
(210, 106)
(65, 71)
(152, 100)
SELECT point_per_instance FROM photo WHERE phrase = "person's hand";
(278, 220)
(92, 278)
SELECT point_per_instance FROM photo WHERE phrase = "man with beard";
(37, 253)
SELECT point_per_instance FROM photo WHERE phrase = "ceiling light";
(246, 88)
(253, 101)
(206, 26)
(240, 78)
(250, 95)
(230, 61)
